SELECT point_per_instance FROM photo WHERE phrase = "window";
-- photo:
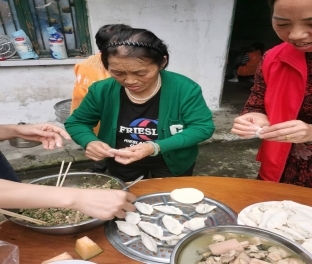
(35, 16)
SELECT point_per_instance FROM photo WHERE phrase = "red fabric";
(285, 74)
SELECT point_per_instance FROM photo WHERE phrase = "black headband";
(132, 43)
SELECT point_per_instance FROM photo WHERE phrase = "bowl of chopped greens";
(60, 221)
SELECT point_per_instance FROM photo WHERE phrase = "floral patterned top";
(298, 168)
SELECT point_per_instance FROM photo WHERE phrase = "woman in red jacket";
(279, 109)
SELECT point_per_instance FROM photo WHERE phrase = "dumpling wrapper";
(204, 208)
(195, 223)
(187, 195)
(167, 209)
(151, 229)
(132, 218)
(128, 228)
(174, 239)
(149, 242)
(144, 208)
(172, 224)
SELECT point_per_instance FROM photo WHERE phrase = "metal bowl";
(62, 110)
(186, 250)
(72, 180)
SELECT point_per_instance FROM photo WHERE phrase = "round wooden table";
(237, 193)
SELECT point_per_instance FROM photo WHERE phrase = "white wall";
(196, 31)
(28, 94)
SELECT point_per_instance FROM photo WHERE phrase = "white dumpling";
(277, 220)
(172, 224)
(204, 208)
(195, 223)
(266, 215)
(303, 228)
(296, 235)
(133, 217)
(255, 214)
(174, 239)
(307, 245)
(128, 228)
(144, 208)
(167, 209)
(151, 229)
(149, 242)
(246, 220)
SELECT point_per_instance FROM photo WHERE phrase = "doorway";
(251, 23)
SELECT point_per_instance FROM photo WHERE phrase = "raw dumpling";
(133, 218)
(173, 240)
(255, 214)
(128, 228)
(173, 225)
(195, 223)
(144, 208)
(187, 195)
(204, 208)
(277, 220)
(246, 220)
(167, 209)
(149, 242)
(151, 229)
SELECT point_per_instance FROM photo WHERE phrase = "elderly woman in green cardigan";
(151, 119)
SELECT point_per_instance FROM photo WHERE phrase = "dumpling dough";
(133, 217)
(144, 208)
(167, 209)
(149, 242)
(128, 228)
(151, 229)
(195, 223)
(187, 195)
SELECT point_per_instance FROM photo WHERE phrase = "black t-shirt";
(137, 123)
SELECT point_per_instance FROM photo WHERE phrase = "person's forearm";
(7, 132)
(21, 195)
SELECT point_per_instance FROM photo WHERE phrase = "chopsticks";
(23, 217)
(58, 183)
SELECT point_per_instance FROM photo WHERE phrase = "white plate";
(248, 208)
(73, 261)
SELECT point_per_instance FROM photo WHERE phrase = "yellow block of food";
(86, 248)
(64, 256)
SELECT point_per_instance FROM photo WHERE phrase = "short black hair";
(105, 33)
(271, 4)
(142, 43)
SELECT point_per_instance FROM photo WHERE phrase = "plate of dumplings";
(150, 233)
(286, 218)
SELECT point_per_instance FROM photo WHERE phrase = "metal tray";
(133, 246)
(186, 251)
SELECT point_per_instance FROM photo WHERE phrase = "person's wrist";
(310, 135)
(155, 147)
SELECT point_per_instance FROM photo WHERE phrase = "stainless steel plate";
(73, 179)
(186, 251)
(133, 246)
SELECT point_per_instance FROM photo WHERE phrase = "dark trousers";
(6, 170)
(132, 171)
